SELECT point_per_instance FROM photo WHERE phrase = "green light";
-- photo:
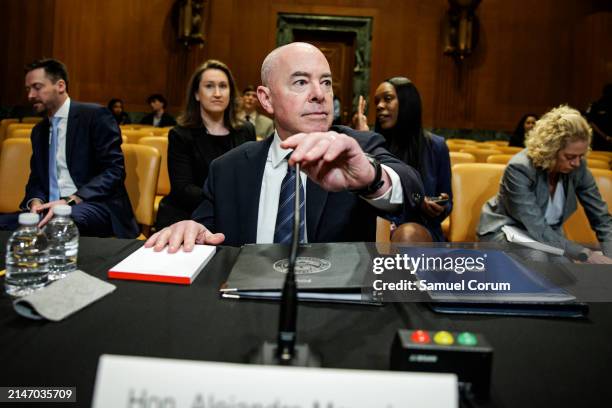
(467, 339)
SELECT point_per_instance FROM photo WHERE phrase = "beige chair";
(473, 184)
(577, 227)
(498, 142)
(4, 126)
(458, 140)
(598, 156)
(597, 164)
(14, 172)
(601, 157)
(499, 158)
(142, 172)
(133, 136)
(20, 133)
(157, 131)
(480, 154)
(486, 145)
(455, 147)
(458, 157)
(14, 126)
(163, 183)
(601, 153)
(132, 126)
(509, 149)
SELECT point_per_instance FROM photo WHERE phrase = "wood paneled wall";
(531, 55)
(26, 33)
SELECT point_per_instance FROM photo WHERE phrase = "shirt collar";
(62, 112)
(277, 153)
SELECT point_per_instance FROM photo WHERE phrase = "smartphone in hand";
(440, 200)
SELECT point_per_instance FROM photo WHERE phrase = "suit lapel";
(316, 198)
(71, 130)
(251, 177)
(569, 206)
(543, 194)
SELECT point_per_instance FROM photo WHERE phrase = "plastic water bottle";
(63, 236)
(27, 257)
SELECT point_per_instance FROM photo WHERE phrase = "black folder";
(332, 272)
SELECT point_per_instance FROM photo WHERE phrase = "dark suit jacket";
(95, 163)
(166, 120)
(190, 152)
(232, 189)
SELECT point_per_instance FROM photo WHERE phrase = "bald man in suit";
(350, 177)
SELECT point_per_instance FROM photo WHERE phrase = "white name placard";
(139, 382)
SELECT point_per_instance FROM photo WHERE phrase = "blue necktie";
(286, 203)
(54, 192)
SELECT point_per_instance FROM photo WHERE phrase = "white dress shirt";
(65, 183)
(274, 173)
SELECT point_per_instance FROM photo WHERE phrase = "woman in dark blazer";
(398, 119)
(540, 187)
(207, 128)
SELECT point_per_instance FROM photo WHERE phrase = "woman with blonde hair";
(540, 187)
(207, 128)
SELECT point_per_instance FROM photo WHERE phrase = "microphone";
(288, 307)
(285, 351)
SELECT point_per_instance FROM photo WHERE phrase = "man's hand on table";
(186, 233)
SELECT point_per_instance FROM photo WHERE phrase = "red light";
(420, 336)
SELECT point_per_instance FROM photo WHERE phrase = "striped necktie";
(286, 203)
(54, 191)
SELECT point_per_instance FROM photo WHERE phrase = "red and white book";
(147, 265)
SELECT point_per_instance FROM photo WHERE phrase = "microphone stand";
(286, 352)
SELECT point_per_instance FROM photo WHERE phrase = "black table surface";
(538, 362)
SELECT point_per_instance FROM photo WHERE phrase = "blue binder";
(514, 289)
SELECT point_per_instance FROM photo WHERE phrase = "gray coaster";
(63, 297)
